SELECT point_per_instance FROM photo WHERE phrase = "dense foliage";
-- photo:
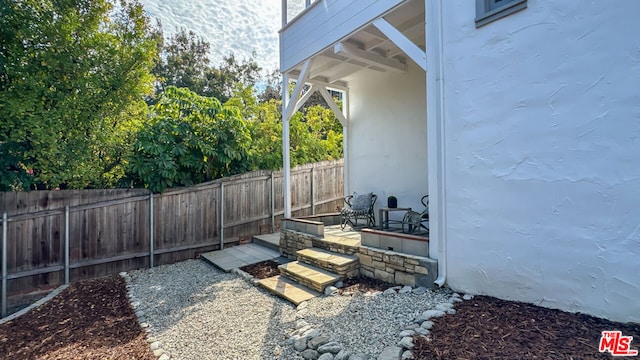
(190, 139)
(92, 96)
(73, 75)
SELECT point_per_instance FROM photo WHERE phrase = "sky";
(238, 26)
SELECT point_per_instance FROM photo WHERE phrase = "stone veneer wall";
(291, 241)
(386, 265)
(298, 234)
(397, 268)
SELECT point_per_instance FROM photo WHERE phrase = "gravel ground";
(199, 312)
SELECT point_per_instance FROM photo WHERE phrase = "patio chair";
(414, 221)
(358, 207)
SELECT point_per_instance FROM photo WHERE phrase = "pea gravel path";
(198, 312)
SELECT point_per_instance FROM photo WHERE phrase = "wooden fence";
(53, 237)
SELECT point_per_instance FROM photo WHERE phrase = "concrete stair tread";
(342, 240)
(311, 273)
(327, 256)
(288, 289)
(268, 240)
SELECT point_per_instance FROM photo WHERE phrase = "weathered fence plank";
(110, 229)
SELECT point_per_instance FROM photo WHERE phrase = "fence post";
(313, 195)
(4, 264)
(151, 229)
(273, 206)
(221, 215)
(66, 244)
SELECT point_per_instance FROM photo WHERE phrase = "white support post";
(66, 244)
(286, 162)
(288, 106)
(273, 206)
(151, 230)
(345, 143)
(5, 224)
(407, 46)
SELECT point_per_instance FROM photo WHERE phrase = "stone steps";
(309, 275)
(271, 241)
(341, 264)
(288, 289)
(338, 244)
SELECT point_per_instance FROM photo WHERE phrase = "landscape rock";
(405, 290)
(317, 341)
(404, 333)
(427, 325)
(433, 313)
(421, 331)
(467, 297)
(342, 355)
(407, 355)
(326, 356)
(310, 354)
(332, 347)
(330, 290)
(389, 292)
(406, 342)
(390, 353)
(300, 344)
(420, 290)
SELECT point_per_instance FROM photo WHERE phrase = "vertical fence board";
(115, 222)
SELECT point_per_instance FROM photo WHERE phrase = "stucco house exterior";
(519, 118)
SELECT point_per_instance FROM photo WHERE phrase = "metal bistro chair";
(414, 221)
(358, 207)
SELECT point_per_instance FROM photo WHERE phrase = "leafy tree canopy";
(190, 139)
(184, 62)
(72, 78)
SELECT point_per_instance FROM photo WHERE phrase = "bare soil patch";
(88, 320)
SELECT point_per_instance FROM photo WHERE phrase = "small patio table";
(383, 215)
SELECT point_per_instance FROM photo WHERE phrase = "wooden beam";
(368, 57)
(333, 106)
(305, 97)
(407, 46)
(317, 70)
(304, 75)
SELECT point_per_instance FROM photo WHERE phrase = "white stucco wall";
(387, 136)
(542, 149)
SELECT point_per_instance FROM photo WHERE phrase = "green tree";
(73, 75)
(190, 139)
(183, 62)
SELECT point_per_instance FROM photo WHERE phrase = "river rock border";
(315, 345)
(154, 344)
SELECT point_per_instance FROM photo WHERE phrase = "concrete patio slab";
(239, 256)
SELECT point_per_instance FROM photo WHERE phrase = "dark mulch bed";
(94, 320)
(89, 320)
(363, 284)
(490, 328)
(262, 270)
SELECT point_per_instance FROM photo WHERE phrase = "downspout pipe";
(436, 133)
